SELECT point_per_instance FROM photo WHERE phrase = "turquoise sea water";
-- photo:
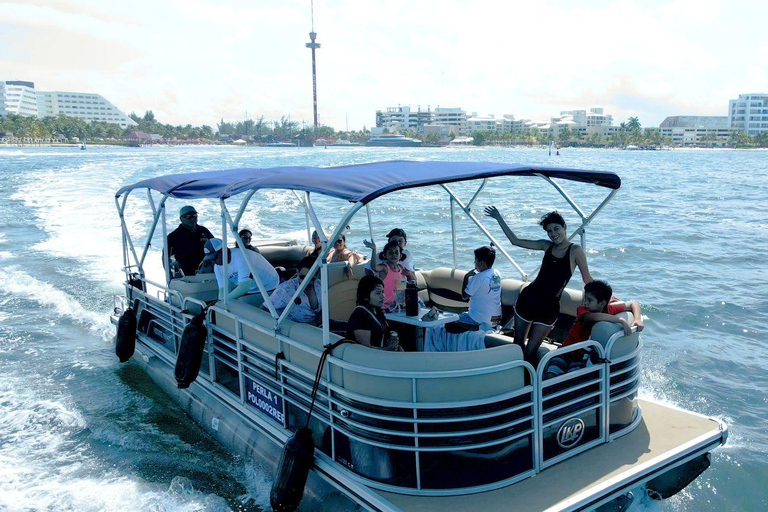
(687, 237)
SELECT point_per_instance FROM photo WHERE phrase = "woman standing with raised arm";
(538, 305)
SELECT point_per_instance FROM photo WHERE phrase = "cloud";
(197, 61)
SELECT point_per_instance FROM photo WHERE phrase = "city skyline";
(198, 62)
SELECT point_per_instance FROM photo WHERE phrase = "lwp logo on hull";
(570, 433)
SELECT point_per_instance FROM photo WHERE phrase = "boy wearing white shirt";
(482, 286)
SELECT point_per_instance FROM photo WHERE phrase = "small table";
(400, 317)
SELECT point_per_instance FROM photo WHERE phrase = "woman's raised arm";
(540, 245)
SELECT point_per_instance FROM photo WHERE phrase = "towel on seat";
(437, 339)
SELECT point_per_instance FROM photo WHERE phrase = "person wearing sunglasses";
(340, 254)
(185, 243)
(309, 306)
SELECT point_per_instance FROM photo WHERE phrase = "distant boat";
(631, 147)
(343, 143)
(338, 143)
(281, 145)
(393, 140)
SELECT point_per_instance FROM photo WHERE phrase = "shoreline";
(538, 147)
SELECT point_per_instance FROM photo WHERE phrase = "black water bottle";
(411, 299)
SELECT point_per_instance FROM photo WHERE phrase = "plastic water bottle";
(400, 291)
(394, 339)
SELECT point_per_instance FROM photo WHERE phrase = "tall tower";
(313, 45)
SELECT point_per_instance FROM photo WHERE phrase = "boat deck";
(612, 468)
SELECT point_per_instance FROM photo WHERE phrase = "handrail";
(516, 413)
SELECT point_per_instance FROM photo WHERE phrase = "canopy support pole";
(322, 264)
(585, 219)
(482, 228)
(453, 231)
(227, 219)
(121, 212)
(159, 212)
(241, 210)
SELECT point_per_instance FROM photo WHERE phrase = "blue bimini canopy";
(354, 183)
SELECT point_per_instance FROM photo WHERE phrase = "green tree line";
(257, 130)
(284, 130)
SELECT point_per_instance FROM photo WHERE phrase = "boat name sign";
(570, 433)
(268, 403)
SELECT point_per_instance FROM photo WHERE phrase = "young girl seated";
(387, 267)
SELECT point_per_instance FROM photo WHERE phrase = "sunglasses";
(189, 215)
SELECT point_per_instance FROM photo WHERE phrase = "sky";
(199, 61)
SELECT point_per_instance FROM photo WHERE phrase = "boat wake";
(23, 285)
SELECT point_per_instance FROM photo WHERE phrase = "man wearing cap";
(185, 243)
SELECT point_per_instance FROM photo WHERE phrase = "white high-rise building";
(402, 118)
(17, 97)
(696, 130)
(454, 116)
(20, 98)
(480, 123)
(749, 113)
(86, 106)
(3, 110)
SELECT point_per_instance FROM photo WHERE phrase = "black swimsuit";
(540, 301)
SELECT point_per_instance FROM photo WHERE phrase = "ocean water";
(687, 237)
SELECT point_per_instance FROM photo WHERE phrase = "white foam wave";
(21, 284)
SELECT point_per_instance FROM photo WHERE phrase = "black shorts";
(534, 306)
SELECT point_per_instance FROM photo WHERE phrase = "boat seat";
(444, 287)
(200, 286)
(602, 331)
(443, 389)
(287, 256)
(569, 301)
(342, 291)
(312, 337)
(246, 311)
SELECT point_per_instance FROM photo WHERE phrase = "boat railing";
(578, 397)
(404, 432)
(414, 438)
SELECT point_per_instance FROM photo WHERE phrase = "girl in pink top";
(388, 268)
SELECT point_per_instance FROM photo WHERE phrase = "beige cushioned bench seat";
(285, 255)
(308, 334)
(442, 389)
(602, 331)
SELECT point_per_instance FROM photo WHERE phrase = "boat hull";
(234, 431)
(591, 480)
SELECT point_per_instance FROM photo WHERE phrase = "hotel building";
(697, 130)
(402, 118)
(584, 122)
(749, 113)
(22, 98)
(18, 98)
